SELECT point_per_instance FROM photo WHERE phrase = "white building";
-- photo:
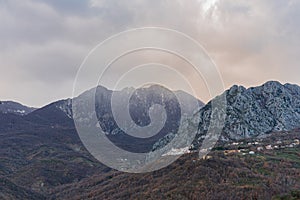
(269, 147)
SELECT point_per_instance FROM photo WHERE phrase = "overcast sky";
(43, 43)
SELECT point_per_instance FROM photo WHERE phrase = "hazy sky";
(42, 43)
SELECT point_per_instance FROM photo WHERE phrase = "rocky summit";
(257, 111)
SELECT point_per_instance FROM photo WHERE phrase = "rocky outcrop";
(257, 111)
(252, 112)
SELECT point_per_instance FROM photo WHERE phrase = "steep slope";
(252, 112)
(140, 102)
(55, 114)
(257, 111)
(220, 176)
(10, 190)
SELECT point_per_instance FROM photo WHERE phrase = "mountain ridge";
(250, 111)
(15, 108)
(42, 157)
(257, 111)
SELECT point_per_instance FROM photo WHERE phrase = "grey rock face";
(253, 112)
(256, 111)
(66, 107)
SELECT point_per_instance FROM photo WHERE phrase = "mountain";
(55, 114)
(59, 114)
(256, 111)
(52, 115)
(271, 107)
(134, 105)
(42, 150)
(15, 108)
(42, 157)
(253, 112)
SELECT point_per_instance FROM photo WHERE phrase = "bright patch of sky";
(208, 5)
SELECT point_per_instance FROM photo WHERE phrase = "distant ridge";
(15, 108)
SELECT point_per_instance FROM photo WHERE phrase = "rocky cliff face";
(257, 111)
(252, 112)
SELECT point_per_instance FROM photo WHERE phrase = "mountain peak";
(236, 89)
(272, 84)
(256, 111)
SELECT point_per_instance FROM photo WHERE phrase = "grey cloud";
(44, 42)
(69, 7)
